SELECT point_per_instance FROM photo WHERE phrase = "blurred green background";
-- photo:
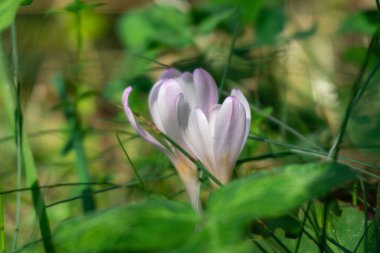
(296, 61)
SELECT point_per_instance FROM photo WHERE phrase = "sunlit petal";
(153, 95)
(199, 139)
(228, 136)
(188, 173)
(206, 90)
(142, 132)
(241, 98)
(212, 117)
(167, 100)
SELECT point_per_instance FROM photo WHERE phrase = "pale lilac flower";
(185, 107)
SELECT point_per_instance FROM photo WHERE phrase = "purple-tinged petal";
(170, 73)
(206, 90)
(187, 84)
(167, 102)
(228, 136)
(199, 139)
(241, 98)
(153, 95)
(142, 132)
(183, 112)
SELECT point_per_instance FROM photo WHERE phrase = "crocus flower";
(185, 107)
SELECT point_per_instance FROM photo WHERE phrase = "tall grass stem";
(18, 134)
(8, 92)
(3, 246)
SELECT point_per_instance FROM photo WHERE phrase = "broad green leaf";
(360, 22)
(204, 242)
(270, 194)
(136, 31)
(208, 25)
(80, 6)
(262, 196)
(249, 9)
(349, 228)
(27, 2)
(289, 224)
(152, 225)
(344, 232)
(306, 244)
(269, 25)
(141, 29)
(355, 55)
(8, 10)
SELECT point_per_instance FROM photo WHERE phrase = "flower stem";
(198, 204)
(196, 162)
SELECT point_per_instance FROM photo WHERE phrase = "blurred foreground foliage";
(162, 225)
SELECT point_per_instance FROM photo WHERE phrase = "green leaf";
(269, 25)
(80, 6)
(8, 10)
(306, 244)
(152, 225)
(360, 22)
(264, 195)
(27, 2)
(136, 31)
(248, 9)
(274, 193)
(305, 34)
(355, 55)
(208, 25)
(140, 30)
(349, 227)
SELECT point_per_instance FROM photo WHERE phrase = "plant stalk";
(9, 96)
(3, 248)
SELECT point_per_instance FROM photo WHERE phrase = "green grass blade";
(76, 143)
(84, 176)
(365, 204)
(8, 92)
(227, 66)
(18, 134)
(139, 178)
(3, 248)
(356, 95)
(306, 212)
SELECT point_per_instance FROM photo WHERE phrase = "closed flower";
(185, 107)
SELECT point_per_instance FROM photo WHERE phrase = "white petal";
(187, 84)
(153, 95)
(212, 117)
(206, 90)
(167, 100)
(241, 98)
(144, 134)
(183, 112)
(199, 139)
(228, 136)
